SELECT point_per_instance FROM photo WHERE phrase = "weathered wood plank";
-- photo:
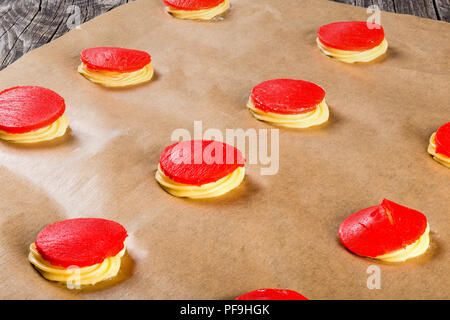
(28, 24)
(385, 5)
(443, 9)
(421, 8)
(432, 9)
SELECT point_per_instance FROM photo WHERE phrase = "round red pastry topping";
(272, 294)
(442, 140)
(193, 4)
(287, 96)
(80, 242)
(115, 59)
(197, 162)
(381, 229)
(351, 35)
(24, 109)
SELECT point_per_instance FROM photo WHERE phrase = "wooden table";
(28, 24)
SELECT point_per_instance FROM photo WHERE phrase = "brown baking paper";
(274, 231)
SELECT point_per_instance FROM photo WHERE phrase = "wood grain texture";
(433, 9)
(29, 24)
(442, 8)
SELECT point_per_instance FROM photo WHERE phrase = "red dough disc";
(115, 59)
(287, 96)
(193, 4)
(382, 229)
(442, 139)
(80, 242)
(197, 162)
(351, 35)
(272, 294)
(24, 109)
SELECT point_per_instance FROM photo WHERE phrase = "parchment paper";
(273, 231)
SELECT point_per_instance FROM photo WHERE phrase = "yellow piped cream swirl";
(82, 276)
(55, 130)
(204, 14)
(413, 250)
(208, 190)
(354, 56)
(117, 79)
(442, 159)
(316, 117)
